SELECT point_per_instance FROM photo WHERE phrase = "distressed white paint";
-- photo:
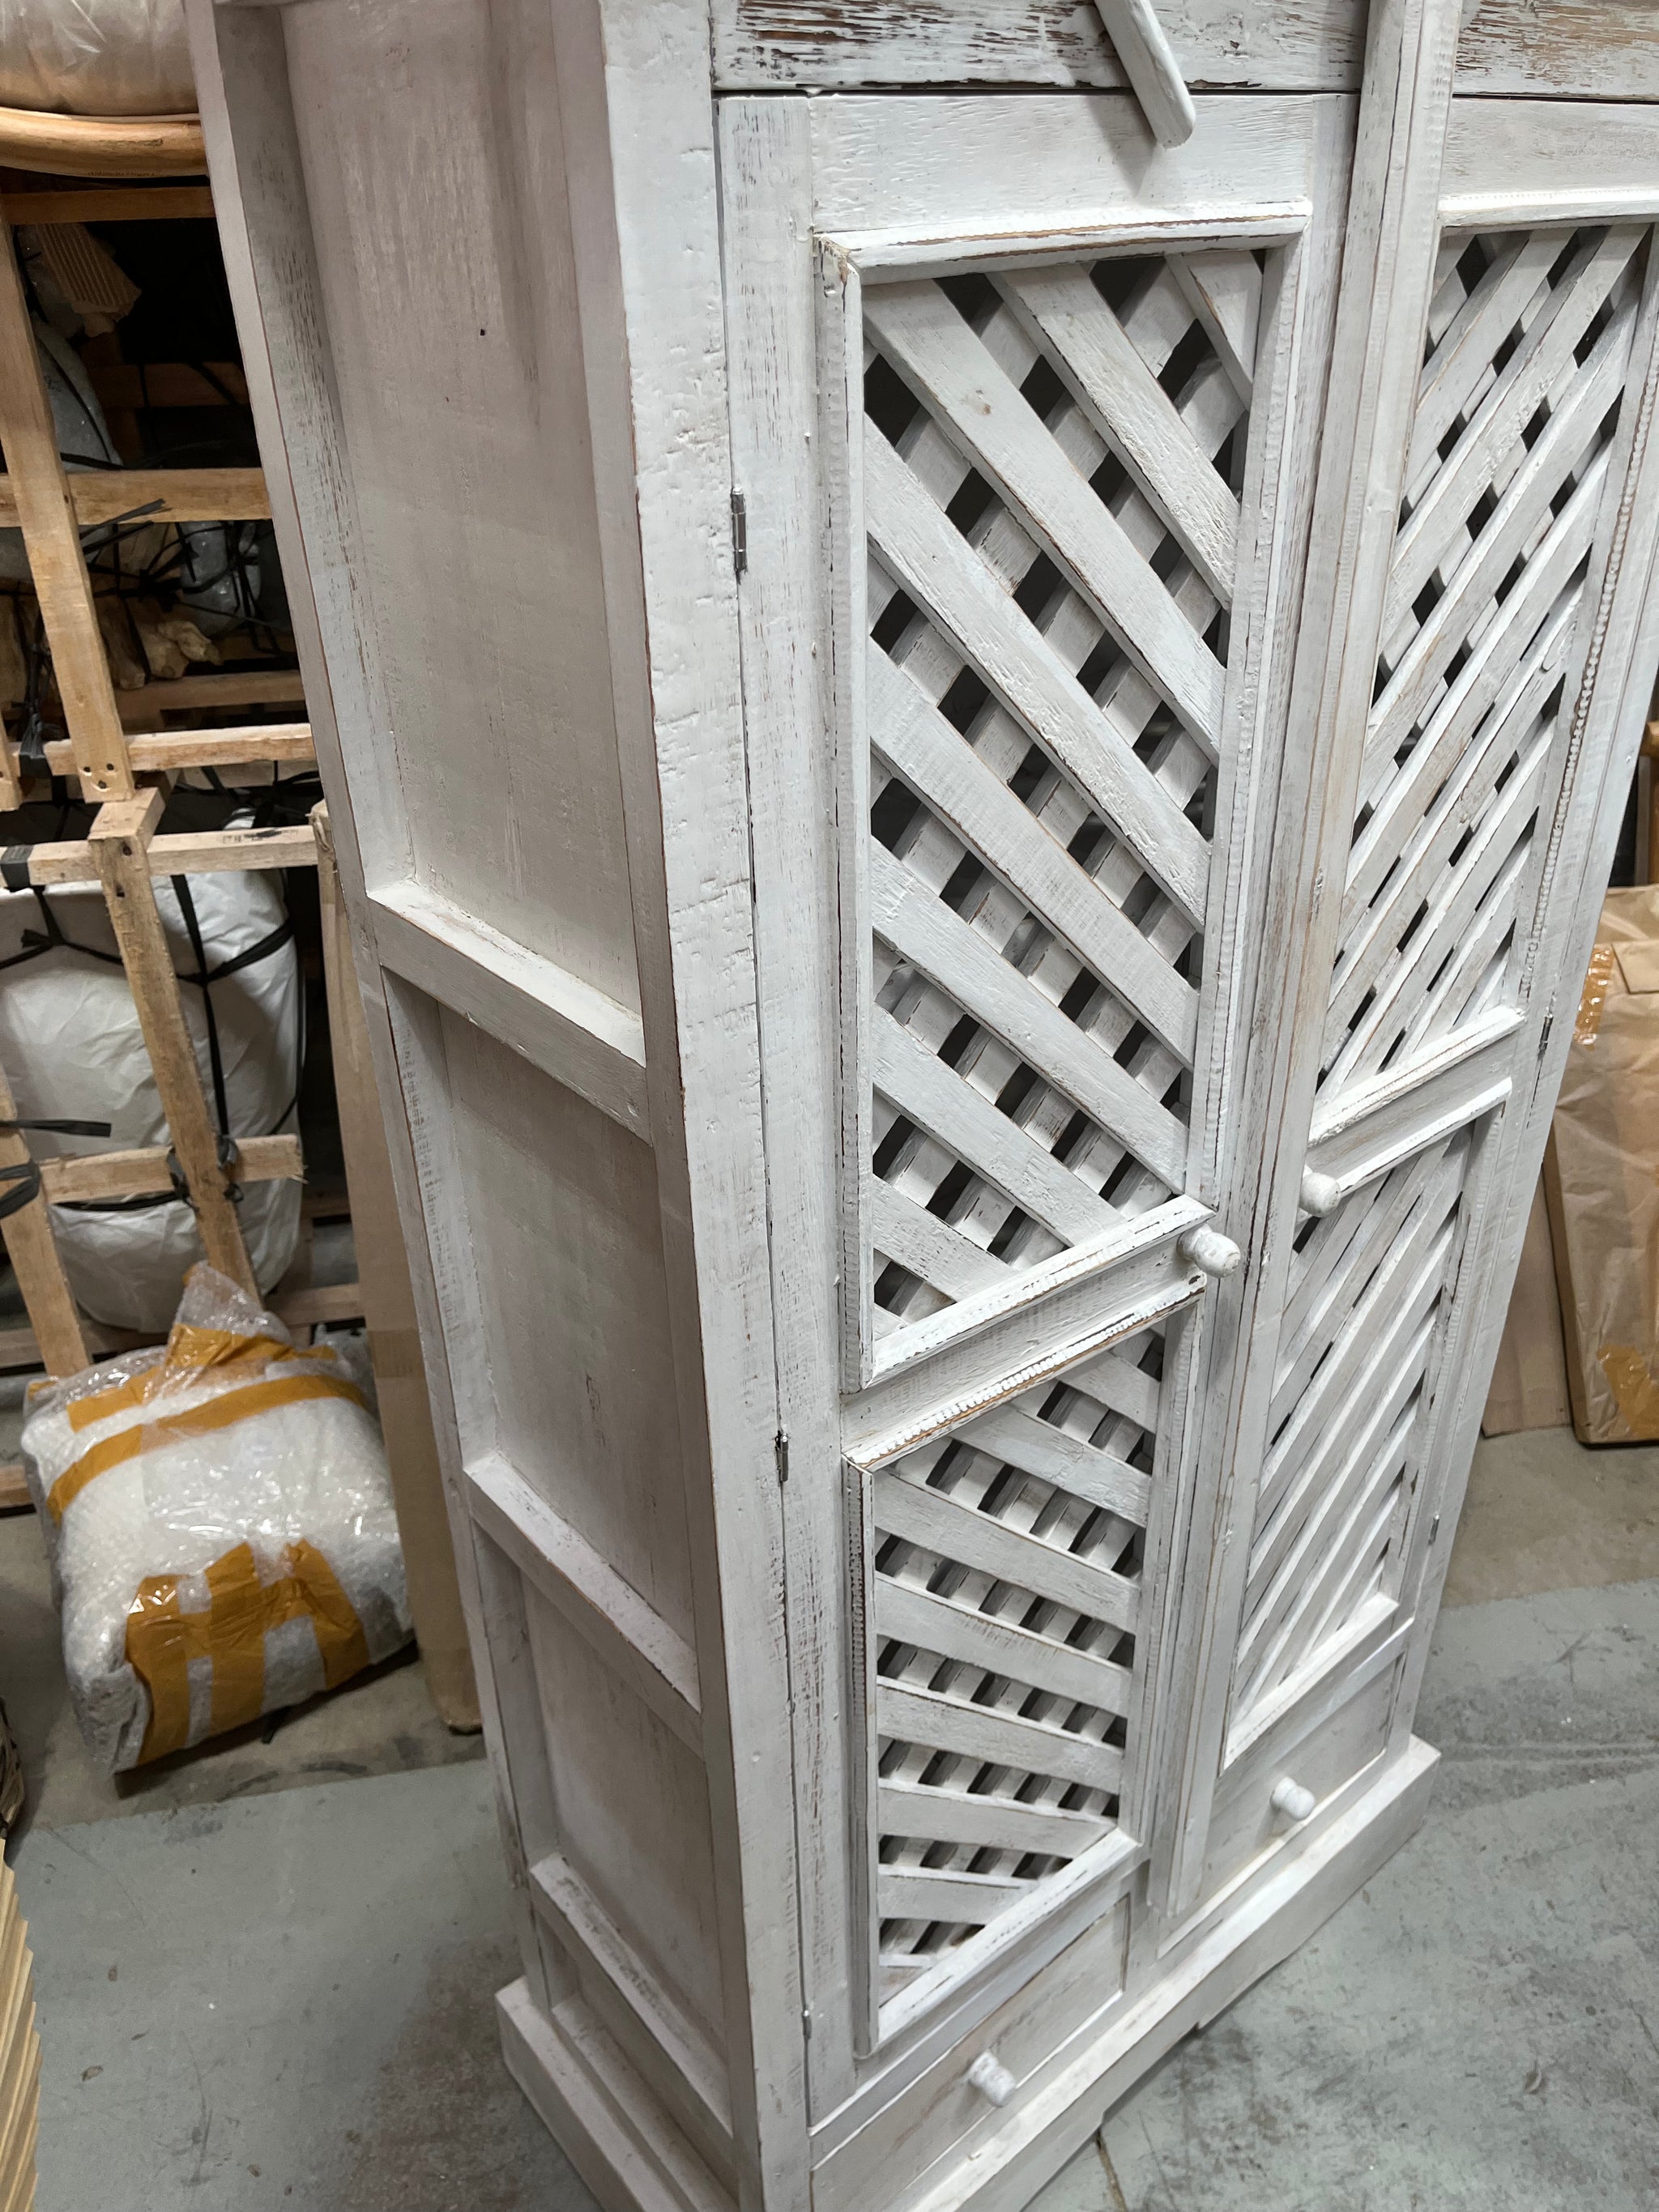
(963, 1086)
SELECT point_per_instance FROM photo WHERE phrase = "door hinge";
(1434, 1527)
(1544, 1035)
(806, 2023)
(781, 1454)
(740, 533)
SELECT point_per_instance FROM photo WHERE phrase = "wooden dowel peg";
(992, 2079)
(1210, 1253)
(1292, 1801)
(1320, 1193)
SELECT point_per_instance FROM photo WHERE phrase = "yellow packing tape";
(1598, 982)
(162, 1638)
(1631, 1380)
(237, 1404)
(192, 1354)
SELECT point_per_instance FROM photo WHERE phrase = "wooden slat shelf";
(185, 495)
(109, 204)
(96, 1178)
(158, 751)
(192, 853)
(245, 687)
(324, 1302)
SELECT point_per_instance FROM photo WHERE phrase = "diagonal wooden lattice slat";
(1050, 486)
(1528, 347)
(1353, 1368)
(1006, 1594)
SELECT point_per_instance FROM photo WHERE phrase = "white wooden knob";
(1211, 1253)
(1321, 1193)
(992, 2079)
(1290, 1800)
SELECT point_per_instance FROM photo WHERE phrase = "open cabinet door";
(1025, 412)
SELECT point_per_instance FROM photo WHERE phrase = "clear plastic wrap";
(220, 1524)
(96, 57)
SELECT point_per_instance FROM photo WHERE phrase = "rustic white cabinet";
(974, 756)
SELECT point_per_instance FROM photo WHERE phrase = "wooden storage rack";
(125, 771)
(126, 776)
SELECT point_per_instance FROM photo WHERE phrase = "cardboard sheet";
(1601, 1180)
(1530, 1376)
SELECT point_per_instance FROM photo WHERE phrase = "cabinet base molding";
(617, 2134)
(635, 2158)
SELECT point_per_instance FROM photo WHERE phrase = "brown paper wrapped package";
(1602, 1179)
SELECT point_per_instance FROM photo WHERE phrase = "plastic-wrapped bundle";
(96, 57)
(220, 1528)
(72, 1045)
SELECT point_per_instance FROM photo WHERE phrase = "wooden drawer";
(1246, 1825)
(941, 2112)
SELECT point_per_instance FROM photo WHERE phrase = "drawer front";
(1247, 1826)
(941, 2111)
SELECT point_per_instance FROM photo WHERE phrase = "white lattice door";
(1023, 421)
(1501, 650)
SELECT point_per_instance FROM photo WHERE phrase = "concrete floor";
(264, 1972)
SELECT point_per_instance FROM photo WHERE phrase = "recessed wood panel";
(562, 1210)
(631, 1806)
(450, 291)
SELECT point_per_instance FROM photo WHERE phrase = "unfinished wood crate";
(974, 735)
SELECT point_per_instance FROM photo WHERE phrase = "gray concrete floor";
(264, 1971)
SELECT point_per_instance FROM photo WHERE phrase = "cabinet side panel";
(435, 173)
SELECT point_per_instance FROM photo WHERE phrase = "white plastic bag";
(221, 1526)
(72, 1046)
(96, 57)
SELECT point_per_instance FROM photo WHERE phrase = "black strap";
(63, 1128)
(117, 523)
(272, 941)
(26, 1177)
(216, 1058)
(51, 937)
